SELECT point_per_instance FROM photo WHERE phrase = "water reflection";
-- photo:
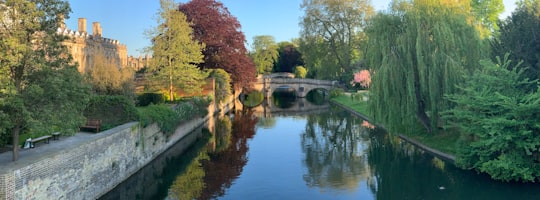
(225, 165)
(333, 156)
(328, 155)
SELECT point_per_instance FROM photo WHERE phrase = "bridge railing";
(295, 81)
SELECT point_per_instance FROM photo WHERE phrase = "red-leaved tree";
(214, 26)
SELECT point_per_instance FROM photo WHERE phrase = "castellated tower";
(85, 47)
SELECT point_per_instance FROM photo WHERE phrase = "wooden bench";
(93, 124)
(39, 139)
(55, 135)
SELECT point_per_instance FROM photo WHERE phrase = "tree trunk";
(421, 107)
(16, 132)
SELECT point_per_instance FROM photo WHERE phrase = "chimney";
(82, 25)
(96, 29)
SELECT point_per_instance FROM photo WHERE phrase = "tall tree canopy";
(519, 36)
(289, 57)
(175, 53)
(109, 79)
(265, 53)
(214, 26)
(487, 14)
(332, 35)
(40, 90)
(417, 55)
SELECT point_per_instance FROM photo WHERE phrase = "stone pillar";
(82, 25)
(96, 29)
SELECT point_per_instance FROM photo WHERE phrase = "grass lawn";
(358, 106)
(444, 142)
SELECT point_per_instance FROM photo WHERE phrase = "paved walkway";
(43, 150)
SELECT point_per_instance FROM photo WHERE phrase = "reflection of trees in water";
(402, 171)
(222, 135)
(394, 163)
(190, 184)
(226, 165)
(317, 96)
(220, 162)
(267, 122)
(283, 99)
(332, 143)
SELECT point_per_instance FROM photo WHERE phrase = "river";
(320, 154)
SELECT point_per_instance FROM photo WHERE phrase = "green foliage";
(487, 14)
(519, 37)
(39, 88)
(289, 57)
(499, 123)
(253, 98)
(417, 56)
(223, 84)
(332, 34)
(112, 110)
(336, 92)
(146, 99)
(300, 72)
(193, 107)
(175, 54)
(265, 53)
(168, 118)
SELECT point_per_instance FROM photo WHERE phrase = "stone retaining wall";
(95, 166)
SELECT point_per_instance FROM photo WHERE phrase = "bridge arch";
(267, 84)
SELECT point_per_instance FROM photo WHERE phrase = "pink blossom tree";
(363, 78)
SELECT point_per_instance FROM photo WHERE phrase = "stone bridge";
(267, 84)
(299, 107)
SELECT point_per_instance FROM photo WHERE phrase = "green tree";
(223, 84)
(175, 53)
(519, 37)
(40, 90)
(300, 72)
(418, 55)
(265, 53)
(499, 123)
(289, 57)
(332, 35)
(487, 14)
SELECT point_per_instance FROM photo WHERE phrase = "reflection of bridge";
(267, 84)
(299, 107)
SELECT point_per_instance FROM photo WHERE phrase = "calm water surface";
(328, 154)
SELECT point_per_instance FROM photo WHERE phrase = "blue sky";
(126, 20)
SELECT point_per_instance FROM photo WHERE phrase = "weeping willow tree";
(418, 52)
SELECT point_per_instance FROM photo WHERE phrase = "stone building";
(84, 47)
(138, 63)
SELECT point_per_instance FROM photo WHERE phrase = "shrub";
(336, 92)
(112, 110)
(146, 99)
(166, 118)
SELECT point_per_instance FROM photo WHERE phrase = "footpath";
(43, 150)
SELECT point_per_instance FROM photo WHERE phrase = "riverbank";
(341, 102)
